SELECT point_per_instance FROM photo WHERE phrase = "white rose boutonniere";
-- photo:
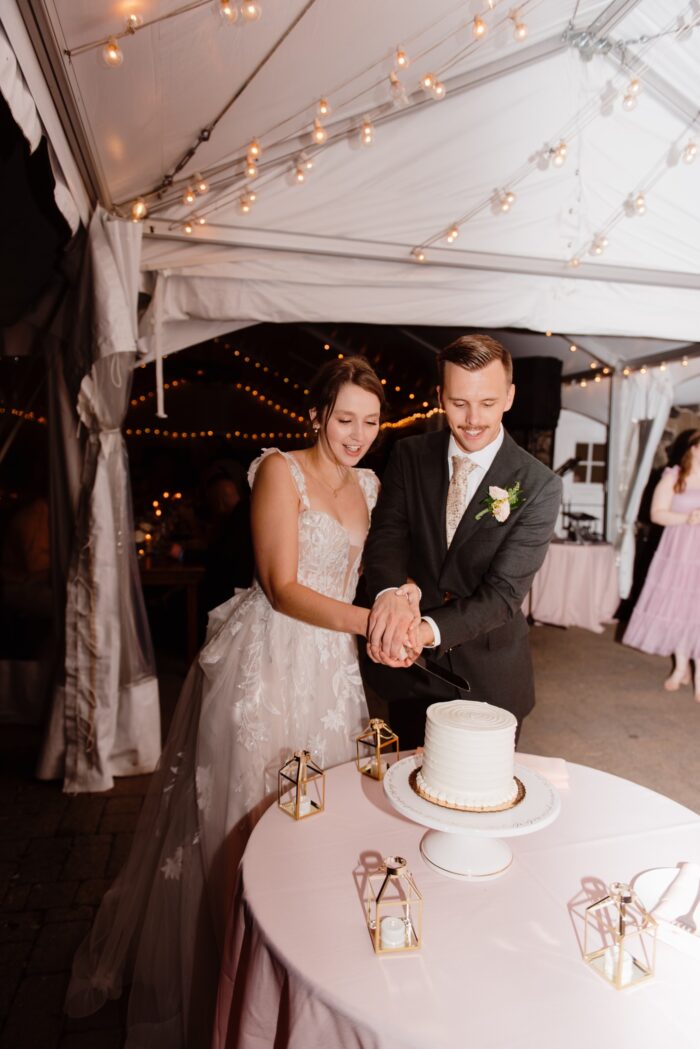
(500, 501)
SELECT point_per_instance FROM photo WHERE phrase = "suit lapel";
(499, 473)
(434, 484)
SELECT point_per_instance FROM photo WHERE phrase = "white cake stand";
(468, 844)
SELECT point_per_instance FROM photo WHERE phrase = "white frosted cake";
(468, 756)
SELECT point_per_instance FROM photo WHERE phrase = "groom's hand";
(392, 618)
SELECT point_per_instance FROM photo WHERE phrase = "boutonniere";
(499, 502)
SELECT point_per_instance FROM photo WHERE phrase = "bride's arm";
(275, 524)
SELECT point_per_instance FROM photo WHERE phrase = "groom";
(474, 574)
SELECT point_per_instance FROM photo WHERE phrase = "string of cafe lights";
(319, 134)
(19, 413)
(253, 392)
(555, 152)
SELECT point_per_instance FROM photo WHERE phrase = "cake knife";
(446, 676)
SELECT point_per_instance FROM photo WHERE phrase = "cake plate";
(468, 845)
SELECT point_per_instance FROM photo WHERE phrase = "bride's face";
(353, 424)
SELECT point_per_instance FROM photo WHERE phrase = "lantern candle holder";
(394, 908)
(301, 787)
(376, 743)
(624, 937)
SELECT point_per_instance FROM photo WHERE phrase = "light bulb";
(111, 54)
(228, 11)
(519, 30)
(690, 151)
(684, 362)
(479, 27)
(323, 107)
(640, 204)
(306, 161)
(401, 59)
(251, 169)
(244, 204)
(418, 254)
(251, 10)
(573, 347)
(252, 196)
(439, 90)
(201, 221)
(634, 86)
(452, 234)
(629, 102)
(187, 227)
(574, 262)
(643, 370)
(133, 22)
(299, 174)
(189, 197)
(319, 133)
(662, 366)
(201, 185)
(366, 132)
(398, 91)
(139, 209)
(584, 384)
(427, 81)
(254, 150)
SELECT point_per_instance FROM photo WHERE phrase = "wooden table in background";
(176, 577)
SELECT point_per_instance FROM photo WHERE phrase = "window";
(591, 464)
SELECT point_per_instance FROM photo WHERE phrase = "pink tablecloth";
(576, 586)
(500, 967)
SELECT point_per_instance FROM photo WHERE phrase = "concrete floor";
(599, 704)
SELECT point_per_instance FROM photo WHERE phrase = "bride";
(277, 673)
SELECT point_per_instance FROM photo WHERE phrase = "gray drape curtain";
(105, 721)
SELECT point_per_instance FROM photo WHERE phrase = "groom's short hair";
(474, 352)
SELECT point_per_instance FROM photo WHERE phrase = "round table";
(500, 966)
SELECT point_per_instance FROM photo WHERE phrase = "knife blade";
(446, 676)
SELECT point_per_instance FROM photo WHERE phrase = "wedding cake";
(468, 757)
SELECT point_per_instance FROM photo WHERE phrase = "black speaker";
(537, 394)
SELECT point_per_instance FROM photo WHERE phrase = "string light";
(439, 90)
(29, 417)
(189, 196)
(479, 27)
(299, 174)
(112, 55)
(598, 244)
(629, 100)
(558, 154)
(506, 199)
(574, 262)
(418, 254)
(188, 227)
(201, 185)
(323, 109)
(254, 150)
(519, 27)
(201, 221)
(133, 22)
(684, 362)
(319, 133)
(251, 169)
(245, 203)
(367, 132)
(138, 210)
(427, 82)
(228, 11)
(401, 59)
(640, 204)
(452, 234)
(573, 347)
(251, 10)
(690, 151)
(398, 91)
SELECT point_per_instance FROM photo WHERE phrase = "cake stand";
(468, 845)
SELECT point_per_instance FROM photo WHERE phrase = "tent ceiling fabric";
(338, 247)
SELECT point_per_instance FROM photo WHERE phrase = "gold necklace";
(334, 491)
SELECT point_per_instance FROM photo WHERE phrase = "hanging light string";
(569, 132)
(235, 158)
(257, 395)
(635, 202)
(28, 417)
(134, 23)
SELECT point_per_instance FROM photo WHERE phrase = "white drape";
(640, 409)
(106, 722)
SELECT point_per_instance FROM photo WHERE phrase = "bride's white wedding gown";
(263, 686)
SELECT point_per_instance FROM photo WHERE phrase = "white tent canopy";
(338, 247)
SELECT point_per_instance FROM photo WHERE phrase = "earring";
(317, 427)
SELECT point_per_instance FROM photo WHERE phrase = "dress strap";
(369, 483)
(294, 469)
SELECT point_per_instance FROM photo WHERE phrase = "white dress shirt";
(482, 460)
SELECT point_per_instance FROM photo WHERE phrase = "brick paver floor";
(58, 855)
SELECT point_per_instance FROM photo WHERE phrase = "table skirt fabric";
(576, 586)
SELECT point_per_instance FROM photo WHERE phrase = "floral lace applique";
(172, 868)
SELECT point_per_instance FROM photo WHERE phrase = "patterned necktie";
(462, 466)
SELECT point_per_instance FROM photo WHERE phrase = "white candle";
(392, 932)
(304, 805)
(611, 956)
(376, 767)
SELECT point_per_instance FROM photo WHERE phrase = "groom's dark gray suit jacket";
(474, 590)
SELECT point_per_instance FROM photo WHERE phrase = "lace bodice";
(328, 562)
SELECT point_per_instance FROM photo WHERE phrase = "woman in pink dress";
(666, 618)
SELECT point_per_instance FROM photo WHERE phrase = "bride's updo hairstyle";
(324, 389)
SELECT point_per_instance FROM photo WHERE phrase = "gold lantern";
(301, 788)
(394, 908)
(623, 935)
(376, 741)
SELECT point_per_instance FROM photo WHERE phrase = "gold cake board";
(413, 782)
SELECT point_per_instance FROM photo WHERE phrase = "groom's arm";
(386, 553)
(507, 579)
